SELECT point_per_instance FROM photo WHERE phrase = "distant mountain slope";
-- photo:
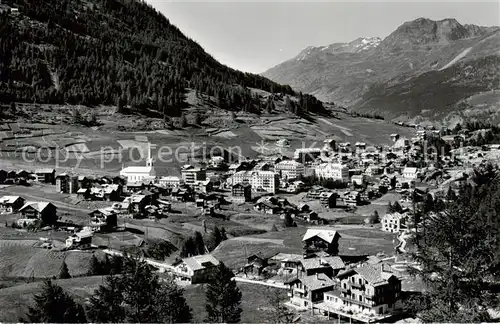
(387, 72)
(113, 52)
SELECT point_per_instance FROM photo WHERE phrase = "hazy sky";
(254, 36)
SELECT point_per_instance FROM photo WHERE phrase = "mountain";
(424, 65)
(115, 52)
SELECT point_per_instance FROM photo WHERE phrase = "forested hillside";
(114, 52)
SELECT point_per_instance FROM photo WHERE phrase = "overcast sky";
(254, 36)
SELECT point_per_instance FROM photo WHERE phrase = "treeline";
(138, 295)
(366, 115)
(491, 134)
(116, 52)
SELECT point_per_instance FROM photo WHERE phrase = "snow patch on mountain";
(358, 45)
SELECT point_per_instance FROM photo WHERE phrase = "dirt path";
(258, 240)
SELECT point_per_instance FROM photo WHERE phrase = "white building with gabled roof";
(140, 173)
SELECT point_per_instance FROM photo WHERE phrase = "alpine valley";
(425, 69)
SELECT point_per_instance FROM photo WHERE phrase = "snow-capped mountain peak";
(358, 45)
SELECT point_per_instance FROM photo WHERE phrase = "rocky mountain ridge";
(353, 78)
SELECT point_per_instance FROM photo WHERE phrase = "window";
(381, 310)
(360, 281)
(360, 298)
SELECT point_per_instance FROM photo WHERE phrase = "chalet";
(23, 174)
(196, 269)
(151, 211)
(44, 211)
(137, 203)
(81, 240)
(311, 217)
(321, 240)
(83, 193)
(328, 265)
(10, 204)
(103, 220)
(121, 208)
(368, 289)
(257, 262)
(352, 198)
(288, 262)
(328, 199)
(45, 175)
(84, 182)
(303, 207)
(307, 290)
(241, 193)
(266, 207)
(164, 205)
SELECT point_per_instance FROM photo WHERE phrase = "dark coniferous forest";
(115, 52)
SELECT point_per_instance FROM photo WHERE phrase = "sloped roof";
(196, 262)
(375, 274)
(316, 282)
(44, 171)
(326, 235)
(38, 206)
(8, 199)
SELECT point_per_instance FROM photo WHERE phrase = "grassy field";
(19, 259)
(355, 239)
(255, 299)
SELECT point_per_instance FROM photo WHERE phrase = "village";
(332, 226)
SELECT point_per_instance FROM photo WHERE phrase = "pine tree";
(279, 312)
(170, 305)
(223, 297)
(215, 238)
(54, 305)
(288, 222)
(106, 303)
(397, 207)
(223, 234)
(459, 259)
(95, 268)
(138, 296)
(188, 248)
(199, 243)
(390, 208)
(64, 273)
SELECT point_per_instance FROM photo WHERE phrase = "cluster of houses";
(22, 177)
(366, 289)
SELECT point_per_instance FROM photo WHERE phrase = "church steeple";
(149, 161)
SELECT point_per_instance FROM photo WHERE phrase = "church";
(140, 173)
